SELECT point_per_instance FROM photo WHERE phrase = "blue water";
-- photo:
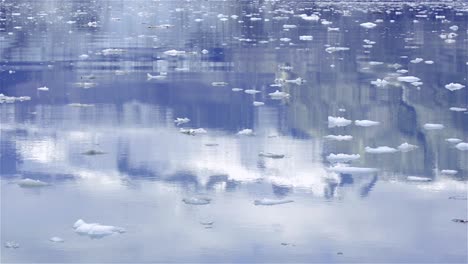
(399, 209)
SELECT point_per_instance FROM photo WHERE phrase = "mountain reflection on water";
(103, 136)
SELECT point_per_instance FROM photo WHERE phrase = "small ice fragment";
(457, 220)
(380, 150)
(196, 201)
(181, 120)
(278, 95)
(368, 25)
(342, 157)
(306, 38)
(271, 155)
(462, 146)
(30, 183)
(219, 83)
(245, 132)
(406, 147)
(379, 83)
(237, 89)
(453, 140)
(352, 170)
(454, 28)
(419, 179)
(335, 49)
(257, 103)
(83, 56)
(45, 89)
(56, 239)
(449, 172)
(458, 109)
(429, 62)
(93, 152)
(174, 53)
(80, 105)
(268, 202)
(454, 86)
(251, 91)
(366, 123)
(95, 230)
(204, 51)
(430, 126)
(339, 137)
(161, 76)
(192, 131)
(12, 244)
(338, 121)
(417, 60)
(108, 52)
(409, 79)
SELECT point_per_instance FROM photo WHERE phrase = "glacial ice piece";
(237, 89)
(306, 38)
(458, 109)
(368, 25)
(342, 168)
(379, 83)
(406, 147)
(430, 126)
(418, 179)
(269, 202)
(192, 131)
(417, 60)
(56, 239)
(245, 132)
(339, 137)
(271, 155)
(341, 157)
(278, 95)
(257, 103)
(174, 52)
(462, 146)
(181, 120)
(335, 49)
(44, 89)
(93, 152)
(196, 201)
(96, 230)
(380, 150)
(161, 76)
(408, 79)
(12, 99)
(453, 140)
(219, 83)
(251, 91)
(30, 183)
(338, 121)
(449, 172)
(366, 123)
(80, 105)
(454, 86)
(12, 244)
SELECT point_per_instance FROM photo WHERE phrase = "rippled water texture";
(158, 124)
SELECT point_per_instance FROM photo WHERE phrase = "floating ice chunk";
(196, 201)
(418, 179)
(375, 63)
(453, 140)
(237, 89)
(266, 201)
(12, 244)
(80, 105)
(271, 155)
(278, 95)
(289, 26)
(338, 121)
(56, 239)
(297, 81)
(406, 147)
(30, 183)
(342, 157)
(408, 79)
(368, 25)
(285, 39)
(429, 62)
(449, 172)
(379, 83)
(312, 17)
(204, 51)
(92, 24)
(454, 86)
(306, 38)
(335, 49)
(174, 53)
(45, 89)
(333, 29)
(430, 126)
(192, 131)
(417, 60)
(219, 83)
(12, 99)
(462, 146)
(109, 52)
(417, 84)
(454, 28)
(95, 230)
(339, 137)
(402, 71)
(340, 168)
(245, 132)
(181, 120)
(366, 123)
(93, 152)
(83, 56)
(156, 77)
(85, 85)
(380, 150)
(458, 109)
(251, 91)
(257, 103)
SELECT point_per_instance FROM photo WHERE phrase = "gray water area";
(240, 176)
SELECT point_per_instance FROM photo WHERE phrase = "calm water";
(100, 135)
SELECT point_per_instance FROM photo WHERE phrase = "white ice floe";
(368, 25)
(312, 17)
(453, 140)
(271, 155)
(12, 99)
(306, 38)
(257, 103)
(417, 60)
(454, 86)
(196, 201)
(339, 137)
(56, 239)
(458, 109)
(96, 230)
(429, 62)
(181, 120)
(30, 183)
(297, 81)
(406, 147)
(430, 126)
(380, 150)
(156, 77)
(266, 201)
(338, 121)
(340, 157)
(379, 83)
(408, 79)
(366, 123)
(12, 244)
(418, 179)
(83, 56)
(251, 91)
(237, 89)
(174, 52)
(449, 172)
(342, 168)
(462, 146)
(192, 131)
(335, 49)
(80, 105)
(109, 52)
(278, 95)
(219, 83)
(85, 85)
(245, 132)
(44, 88)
